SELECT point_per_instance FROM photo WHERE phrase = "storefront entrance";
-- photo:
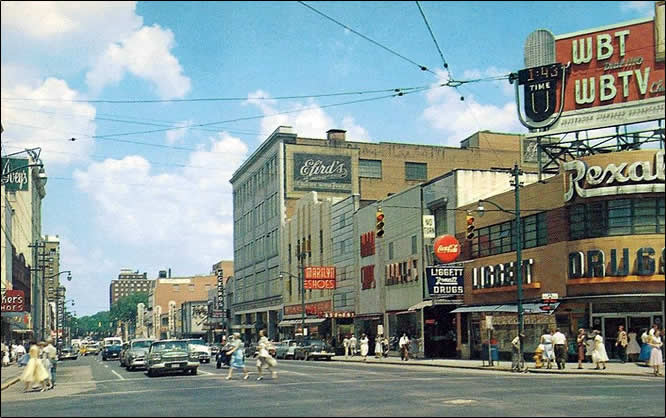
(439, 331)
(608, 325)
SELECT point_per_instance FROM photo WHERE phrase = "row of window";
(373, 169)
(616, 217)
(264, 176)
(500, 238)
(263, 212)
(259, 249)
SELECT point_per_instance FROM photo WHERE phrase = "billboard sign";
(13, 301)
(446, 248)
(322, 172)
(446, 281)
(615, 76)
(16, 181)
(319, 277)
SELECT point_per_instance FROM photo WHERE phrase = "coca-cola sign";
(320, 172)
(13, 301)
(446, 248)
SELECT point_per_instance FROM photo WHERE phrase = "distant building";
(127, 283)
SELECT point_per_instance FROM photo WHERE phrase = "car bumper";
(204, 357)
(319, 354)
(111, 355)
(139, 362)
(174, 365)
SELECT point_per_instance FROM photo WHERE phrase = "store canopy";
(294, 322)
(528, 308)
(484, 308)
(420, 305)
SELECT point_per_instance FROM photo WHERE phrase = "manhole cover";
(460, 401)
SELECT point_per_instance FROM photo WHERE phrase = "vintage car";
(313, 349)
(68, 353)
(285, 349)
(171, 355)
(111, 351)
(134, 354)
(200, 348)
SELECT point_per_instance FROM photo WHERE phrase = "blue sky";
(118, 203)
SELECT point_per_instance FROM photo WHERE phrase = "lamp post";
(516, 172)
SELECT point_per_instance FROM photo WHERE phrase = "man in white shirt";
(560, 344)
(515, 353)
(52, 353)
(404, 347)
(352, 345)
(345, 344)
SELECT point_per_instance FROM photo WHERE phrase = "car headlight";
(155, 357)
(194, 356)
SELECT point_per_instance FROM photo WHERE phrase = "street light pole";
(516, 172)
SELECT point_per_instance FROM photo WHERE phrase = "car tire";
(151, 373)
(193, 372)
(130, 368)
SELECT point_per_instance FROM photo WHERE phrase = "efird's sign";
(322, 172)
(615, 76)
(15, 174)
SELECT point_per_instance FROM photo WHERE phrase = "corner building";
(267, 187)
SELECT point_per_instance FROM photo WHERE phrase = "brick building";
(127, 283)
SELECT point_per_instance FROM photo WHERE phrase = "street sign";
(549, 297)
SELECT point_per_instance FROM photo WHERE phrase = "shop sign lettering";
(446, 281)
(15, 180)
(501, 275)
(322, 172)
(594, 263)
(622, 178)
(13, 301)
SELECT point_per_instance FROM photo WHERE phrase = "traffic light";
(470, 227)
(380, 223)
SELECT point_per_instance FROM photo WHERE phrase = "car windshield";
(141, 344)
(169, 345)
(196, 341)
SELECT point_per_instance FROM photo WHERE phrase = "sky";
(165, 100)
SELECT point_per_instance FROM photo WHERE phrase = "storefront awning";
(484, 308)
(420, 305)
(294, 322)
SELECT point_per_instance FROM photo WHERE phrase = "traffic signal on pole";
(380, 223)
(470, 227)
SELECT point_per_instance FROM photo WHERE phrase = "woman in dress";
(46, 362)
(656, 358)
(646, 348)
(599, 355)
(378, 346)
(548, 351)
(264, 358)
(365, 346)
(237, 356)
(34, 371)
(633, 349)
(580, 346)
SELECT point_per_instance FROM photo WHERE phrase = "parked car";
(134, 356)
(111, 351)
(171, 355)
(202, 350)
(312, 350)
(68, 353)
(285, 349)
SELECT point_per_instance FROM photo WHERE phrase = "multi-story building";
(267, 187)
(167, 296)
(128, 283)
(593, 235)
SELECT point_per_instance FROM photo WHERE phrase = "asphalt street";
(90, 387)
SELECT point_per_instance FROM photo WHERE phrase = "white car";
(199, 347)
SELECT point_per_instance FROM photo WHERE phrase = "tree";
(124, 309)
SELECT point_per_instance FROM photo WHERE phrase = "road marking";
(116, 373)
(207, 373)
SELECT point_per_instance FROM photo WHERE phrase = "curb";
(10, 382)
(506, 370)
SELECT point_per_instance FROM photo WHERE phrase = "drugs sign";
(446, 281)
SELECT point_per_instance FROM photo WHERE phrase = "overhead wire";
(421, 67)
(432, 35)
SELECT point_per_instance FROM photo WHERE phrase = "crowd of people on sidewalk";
(39, 360)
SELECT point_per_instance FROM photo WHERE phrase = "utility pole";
(519, 259)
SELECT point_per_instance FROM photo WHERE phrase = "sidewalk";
(612, 368)
(10, 375)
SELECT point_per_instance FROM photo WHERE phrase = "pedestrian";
(264, 358)
(20, 352)
(633, 349)
(345, 344)
(656, 357)
(515, 352)
(34, 371)
(46, 362)
(5, 355)
(385, 347)
(560, 344)
(237, 357)
(365, 346)
(378, 346)
(580, 346)
(404, 347)
(548, 349)
(621, 343)
(645, 348)
(599, 355)
(52, 354)
(353, 345)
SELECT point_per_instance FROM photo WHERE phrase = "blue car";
(111, 352)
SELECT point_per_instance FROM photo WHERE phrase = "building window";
(390, 248)
(370, 168)
(414, 249)
(616, 217)
(416, 171)
(498, 239)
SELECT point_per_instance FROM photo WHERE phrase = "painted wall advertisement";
(447, 281)
(321, 172)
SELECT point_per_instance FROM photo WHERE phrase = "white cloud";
(146, 54)
(188, 212)
(460, 119)
(308, 119)
(48, 124)
(176, 135)
(506, 87)
(642, 7)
